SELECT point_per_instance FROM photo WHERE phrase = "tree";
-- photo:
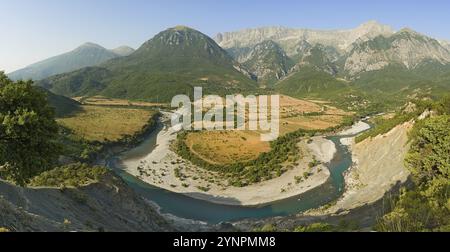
(28, 131)
(426, 207)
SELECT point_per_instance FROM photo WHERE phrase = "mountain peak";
(409, 31)
(90, 45)
(181, 28)
(371, 23)
(123, 50)
(86, 55)
(373, 27)
(183, 38)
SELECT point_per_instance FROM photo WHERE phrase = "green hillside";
(63, 106)
(86, 55)
(171, 63)
(310, 82)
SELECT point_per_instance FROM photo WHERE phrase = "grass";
(105, 101)
(384, 125)
(226, 147)
(99, 123)
(308, 115)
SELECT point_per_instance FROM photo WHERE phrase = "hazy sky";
(32, 30)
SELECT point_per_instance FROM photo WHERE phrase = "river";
(186, 207)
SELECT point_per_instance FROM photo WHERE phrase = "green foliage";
(28, 131)
(79, 149)
(419, 210)
(158, 71)
(314, 163)
(309, 82)
(343, 226)
(427, 206)
(316, 227)
(383, 126)
(204, 189)
(73, 175)
(429, 156)
(267, 166)
(63, 106)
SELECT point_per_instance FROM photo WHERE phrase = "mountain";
(288, 38)
(268, 62)
(123, 51)
(445, 44)
(308, 81)
(406, 48)
(171, 63)
(320, 57)
(63, 105)
(88, 54)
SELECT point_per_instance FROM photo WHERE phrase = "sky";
(33, 30)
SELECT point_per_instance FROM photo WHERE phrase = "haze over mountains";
(369, 47)
(371, 59)
(289, 38)
(88, 54)
(171, 63)
(372, 53)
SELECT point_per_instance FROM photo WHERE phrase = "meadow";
(107, 124)
(228, 147)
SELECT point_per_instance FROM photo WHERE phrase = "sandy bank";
(378, 166)
(165, 169)
(355, 129)
(323, 149)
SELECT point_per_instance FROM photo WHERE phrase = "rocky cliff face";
(320, 57)
(445, 44)
(369, 47)
(406, 47)
(289, 38)
(105, 206)
(268, 62)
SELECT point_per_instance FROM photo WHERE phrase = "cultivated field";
(101, 123)
(309, 115)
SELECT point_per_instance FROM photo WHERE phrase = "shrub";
(72, 175)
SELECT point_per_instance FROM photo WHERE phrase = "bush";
(316, 227)
(427, 206)
(73, 175)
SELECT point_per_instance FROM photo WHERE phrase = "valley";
(356, 108)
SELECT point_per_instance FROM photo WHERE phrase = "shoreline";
(164, 169)
(375, 170)
(163, 175)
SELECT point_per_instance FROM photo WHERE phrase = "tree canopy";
(427, 206)
(28, 131)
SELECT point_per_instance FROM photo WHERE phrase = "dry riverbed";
(378, 167)
(165, 169)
